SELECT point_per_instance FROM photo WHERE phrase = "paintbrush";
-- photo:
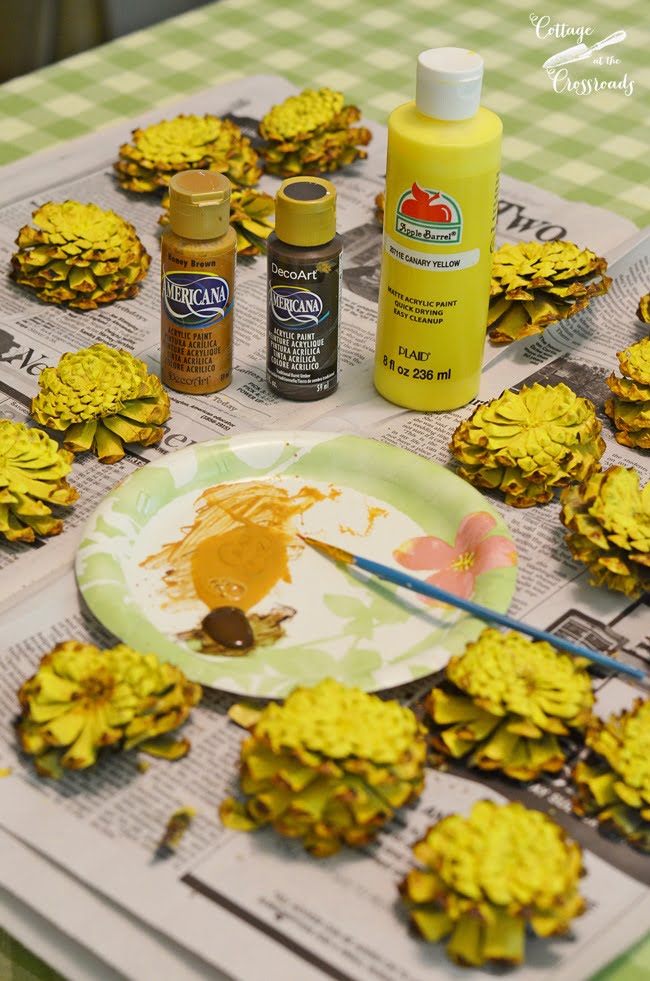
(481, 612)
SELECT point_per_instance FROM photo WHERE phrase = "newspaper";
(238, 902)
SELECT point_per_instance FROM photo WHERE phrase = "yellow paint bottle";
(442, 183)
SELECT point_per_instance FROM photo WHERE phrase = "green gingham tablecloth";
(584, 146)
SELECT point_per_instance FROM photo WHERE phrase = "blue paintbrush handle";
(491, 616)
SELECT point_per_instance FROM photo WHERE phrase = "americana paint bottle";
(442, 183)
(304, 291)
(198, 257)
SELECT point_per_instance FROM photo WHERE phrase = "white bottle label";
(447, 261)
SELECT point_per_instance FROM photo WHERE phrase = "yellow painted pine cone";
(526, 444)
(250, 216)
(614, 782)
(536, 284)
(643, 311)
(330, 766)
(33, 472)
(608, 523)
(101, 398)
(186, 142)
(629, 409)
(505, 702)
(82, 699)
(312, 133)
(484, 879)
(79, 255)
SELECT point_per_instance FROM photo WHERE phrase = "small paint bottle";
(198, 258)
(304, 291)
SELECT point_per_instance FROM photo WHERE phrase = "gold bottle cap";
(199, 204)
(305, 211)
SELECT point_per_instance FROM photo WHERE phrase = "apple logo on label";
(426, 207)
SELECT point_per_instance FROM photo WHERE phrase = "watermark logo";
(584, 51)
(429, 216)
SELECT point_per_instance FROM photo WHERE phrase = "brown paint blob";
(229, 626)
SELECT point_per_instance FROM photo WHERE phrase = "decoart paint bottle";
(442, 182)
(304, 291)
(199, 252)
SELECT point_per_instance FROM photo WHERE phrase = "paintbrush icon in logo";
(580, 51)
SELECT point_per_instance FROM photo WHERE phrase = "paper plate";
(375, 500)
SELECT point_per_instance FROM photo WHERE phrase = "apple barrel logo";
(429, 216)
(195, 300)
(295, 306)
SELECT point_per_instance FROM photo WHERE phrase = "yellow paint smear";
(373, 514)
(239, 545)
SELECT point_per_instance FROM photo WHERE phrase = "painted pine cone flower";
(101, 398)
(249, 215)
(79, 255)
(527, 443)
(643, 311)
(312, 133)
(629, 409)
(505, 701)
(331, 765)
(608, 524)
(82, 699)
(614, 782)
(185, 142)
(33, 473)
(536, 284)
(485, 878)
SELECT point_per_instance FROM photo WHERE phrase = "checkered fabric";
(586, 147)
(591, 147)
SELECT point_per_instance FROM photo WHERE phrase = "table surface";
(586, 147)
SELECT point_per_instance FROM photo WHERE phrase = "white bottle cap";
(448, 83)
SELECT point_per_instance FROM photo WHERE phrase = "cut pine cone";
(82, 699)
(614, 782)
(312, 133)
(536, 284)
(250, 216)
(101, 398)
(33, 476)
(186, 142)
(629, 409)
(79, 255)
(505, 702)
(608, 523)
(483, 879)
(526, 444)
(330, 766)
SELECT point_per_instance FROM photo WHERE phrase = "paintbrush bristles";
(338, 554)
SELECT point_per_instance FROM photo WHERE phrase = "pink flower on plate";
(455, 567)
